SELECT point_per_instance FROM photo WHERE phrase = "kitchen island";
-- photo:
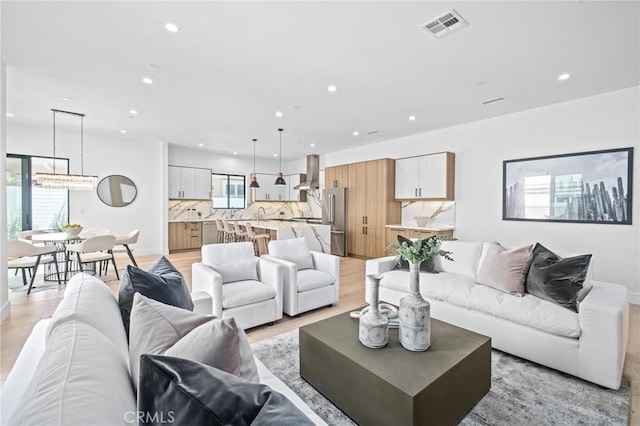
(318, 237)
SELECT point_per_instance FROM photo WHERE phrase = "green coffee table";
(394, 386)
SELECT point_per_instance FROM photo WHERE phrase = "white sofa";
(590, 344)
(74, 367)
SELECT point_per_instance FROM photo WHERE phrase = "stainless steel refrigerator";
(334, 213)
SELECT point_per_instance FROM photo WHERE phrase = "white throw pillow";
(158, 329)
(239, 271)
(465, 255)
(294, 250)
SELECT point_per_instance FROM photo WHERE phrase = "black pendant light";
(254, 178)
(280, 179)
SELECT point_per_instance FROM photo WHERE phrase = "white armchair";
(238, 284)
(311, 279)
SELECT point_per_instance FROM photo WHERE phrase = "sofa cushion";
(80, 379)
(309, 279)
(88, 299)
(462, 290)
(465, 255)
(157, 328)
(505, 270)
(191, 393)
(237, 271)
(163, 283)
(241, 293)
(556, 279)
(294, 250)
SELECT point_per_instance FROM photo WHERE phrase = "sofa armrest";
(206, 280)
(289, 282)
(330, 264)
(604, 325)
(271, 273)
(380, 265)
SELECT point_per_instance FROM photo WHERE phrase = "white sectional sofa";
(74, 367)
(590, 344)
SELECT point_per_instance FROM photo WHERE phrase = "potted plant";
(419, 250)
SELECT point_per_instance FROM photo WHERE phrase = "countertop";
(417, 228)
(209, 219)
(271, 224)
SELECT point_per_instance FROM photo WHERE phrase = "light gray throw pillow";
(159, 329)
(505, 270)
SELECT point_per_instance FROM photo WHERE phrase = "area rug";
(521, 392)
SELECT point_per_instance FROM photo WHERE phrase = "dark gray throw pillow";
(425, 266)
(163, 282)
(556, 279)
(187, 392)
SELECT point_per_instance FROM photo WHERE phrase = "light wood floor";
(26, 311)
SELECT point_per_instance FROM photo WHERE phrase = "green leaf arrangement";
(419, 251)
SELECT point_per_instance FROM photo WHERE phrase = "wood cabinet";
(185, 236)
(392, 235)
(427, 177)
(189, 183)
(370, 206)
(336, 177)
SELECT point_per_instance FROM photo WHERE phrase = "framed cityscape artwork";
(585, 187)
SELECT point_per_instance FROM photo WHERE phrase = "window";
(228, 191)
(28, 205)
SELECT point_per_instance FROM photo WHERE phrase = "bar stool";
(229, 233)
(240, 235)
(255, 237)
(220, 228)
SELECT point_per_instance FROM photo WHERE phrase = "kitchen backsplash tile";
(441, 213)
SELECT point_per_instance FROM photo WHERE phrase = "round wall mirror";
(117, 191)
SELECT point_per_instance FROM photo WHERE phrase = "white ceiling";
(232, 65)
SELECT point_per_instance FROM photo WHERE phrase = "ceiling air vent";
(493, 101)
(445, 24)
(373, 132)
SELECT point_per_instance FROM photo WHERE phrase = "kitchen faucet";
(260, 215)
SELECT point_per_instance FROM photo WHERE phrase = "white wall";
(140, 160)
(5, 306)
(599, 122)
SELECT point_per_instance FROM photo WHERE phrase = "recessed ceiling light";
(200, 144)
(133, 112)
(235, 152)
(147, 80)
(275, 155)
(278, 114)
(9, 114)
(172, 28)
(412, 118)
(312, 145)
(564, 76)
(356, 133)
(332, 88)
(64, 98)
(123, 131)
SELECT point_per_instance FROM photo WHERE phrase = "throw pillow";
(239, 271)
(163, 282)
(190, 393)
(403, 265)
(556, 279)
(294, 250)
(505, 270)
(157, 328)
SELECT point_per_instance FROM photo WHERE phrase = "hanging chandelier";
(280, 179)
(254, 178)
(71, 182)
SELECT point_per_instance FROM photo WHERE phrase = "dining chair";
(123, 242)
(92, 250)
(23, 255)
(93, 232)
(256, 239)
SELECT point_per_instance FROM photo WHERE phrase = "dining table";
(60, 240)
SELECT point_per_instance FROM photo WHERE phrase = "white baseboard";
(5, 311)
(634, 297)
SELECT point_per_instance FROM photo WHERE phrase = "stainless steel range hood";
(313, 173)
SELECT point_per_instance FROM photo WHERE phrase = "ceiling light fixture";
(312, 145)
(200, 144)
(356, 133)
(254, 178)
(565, 76)
(64, 98)
(147, 80)
(275, 155)
(412, 118)
(172, 28)
(278, 114)
(332, 88)
(235, 152)
(8, 114)
(133, 112)
(79, 182)
(123, 131)
(280, 179)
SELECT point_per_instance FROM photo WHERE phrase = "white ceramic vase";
(415, 315)
(374, 327)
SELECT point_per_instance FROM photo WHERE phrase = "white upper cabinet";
(268, 191)
(189, 183)
(428, 177)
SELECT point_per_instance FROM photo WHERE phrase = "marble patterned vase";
(415, 315)
(374, 327)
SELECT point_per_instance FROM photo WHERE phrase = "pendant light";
(254, 178)
(280, 179)
(67, 181)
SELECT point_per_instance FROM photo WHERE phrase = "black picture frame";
(583, 187)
